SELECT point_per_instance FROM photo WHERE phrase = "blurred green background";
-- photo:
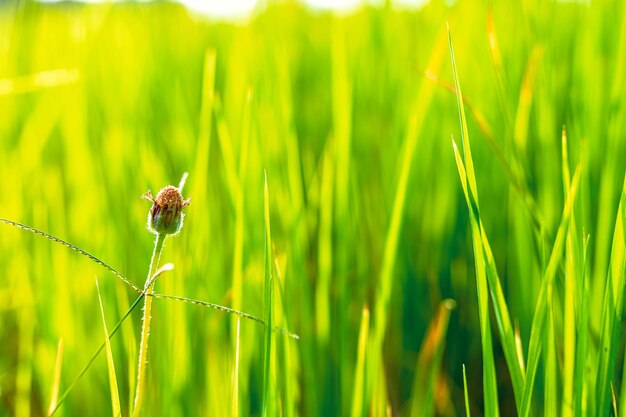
(99, 103)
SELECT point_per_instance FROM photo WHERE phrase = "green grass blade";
(490, 389)
(235, 394)
(612, 311)
(115, 395)
(537, 329)
(359, 370)
(385, 280)
(482, 250)
(325, 248)
(269, 376)
(466, 394)
(581, 386)
(572, 279)
(69, 389)
(57, 378)
(550, 398)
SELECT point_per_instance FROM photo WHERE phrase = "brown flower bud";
(166, 214)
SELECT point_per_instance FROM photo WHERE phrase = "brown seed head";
(165, 215)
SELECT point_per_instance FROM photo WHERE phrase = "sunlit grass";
(336, 130)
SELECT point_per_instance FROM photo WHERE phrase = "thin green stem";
(145, 330)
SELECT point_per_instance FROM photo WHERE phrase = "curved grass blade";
(74, 248)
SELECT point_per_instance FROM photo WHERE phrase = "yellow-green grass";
(376, 221)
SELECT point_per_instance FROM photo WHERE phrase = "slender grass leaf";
(612, 311)
(483, 254)
(466, 394)
(537, 329)
(115, 395)
(269, 376)
(56, 383)
(359, 370)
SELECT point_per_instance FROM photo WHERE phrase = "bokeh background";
(350, 115)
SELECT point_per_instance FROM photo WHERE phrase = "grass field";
(403, 263)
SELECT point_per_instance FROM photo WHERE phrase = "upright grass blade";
(359, 370)
(550, 397)
(269, 376)
(466, 394)
(572, 283)
(581, 385)
(325, 247)
(483, 259)
(523, 193)
(537, 329)
(235, 392)
(342, 99)
(612, 311)
(115, 395)
(427, 370)
(288, 365)
(490, 390)
(57, 378)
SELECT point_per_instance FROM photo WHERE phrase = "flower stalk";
(165, 217)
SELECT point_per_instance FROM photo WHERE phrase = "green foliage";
(377, 222)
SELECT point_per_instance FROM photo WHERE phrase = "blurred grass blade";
(498, 66)
(290, 376)
(325, 246)
(581, 384)
(57, 377)
(428, 368)
(385, 281)
(572, 279)
(269, 376)
(466, 394)
(235, 395)
(550, 398)
(359, 370)
(612, 311)
(537, 329)
(38, 81)
(614, 401)
(115, 395)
